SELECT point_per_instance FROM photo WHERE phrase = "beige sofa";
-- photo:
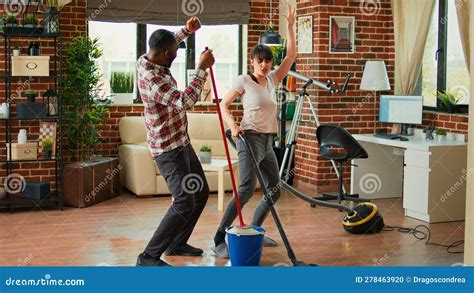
(139, 172)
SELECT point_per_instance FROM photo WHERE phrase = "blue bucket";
(245, 250)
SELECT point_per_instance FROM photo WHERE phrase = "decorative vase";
(206, 157)
(4, 111)
(31, 98)
(48, 154)
(22, 138)
(33, 49)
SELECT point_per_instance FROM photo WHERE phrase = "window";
(449, 71)
(120, 55)
(457, 75)
(117, 54)
(429, 69)
(224, 41)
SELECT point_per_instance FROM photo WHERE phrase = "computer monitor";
(401, 109)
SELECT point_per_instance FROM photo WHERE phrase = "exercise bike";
(365, 212)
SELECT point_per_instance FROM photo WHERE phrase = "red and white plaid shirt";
(165, 105)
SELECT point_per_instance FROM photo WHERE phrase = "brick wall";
(353, 110)
(72, 24)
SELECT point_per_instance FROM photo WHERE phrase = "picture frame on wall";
(305, 34)
(342, 34)
(47, 130)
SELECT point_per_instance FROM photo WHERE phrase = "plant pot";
(29, 25)
(277, 143)
(451, 108)
(205, 157)
(440, 137)
(123, 98)
(31, 98)
(11, 25)
(48, 154)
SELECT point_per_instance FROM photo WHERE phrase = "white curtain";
(463, 10)
(411, 24)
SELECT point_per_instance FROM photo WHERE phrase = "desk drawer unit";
(435, 184)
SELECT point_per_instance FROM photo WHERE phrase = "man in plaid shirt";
(169, 143)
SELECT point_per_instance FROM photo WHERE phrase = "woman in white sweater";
(259, 125)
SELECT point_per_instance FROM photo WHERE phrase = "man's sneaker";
(145, 260)
(184, 250)
(269, 242)
(221, 250)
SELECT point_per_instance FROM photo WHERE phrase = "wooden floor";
(115, 231)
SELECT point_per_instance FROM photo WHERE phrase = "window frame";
(190, 48)
(441, 59)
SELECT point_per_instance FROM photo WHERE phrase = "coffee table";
(220, 166)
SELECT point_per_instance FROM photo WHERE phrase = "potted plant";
(83, 112)
(31, 95)
(30, 20)
(277, 141)
(51, 16)
(47, 145)
(11, 20)
(121, 85)
(449, 100)
(205, 154)
(440, 134)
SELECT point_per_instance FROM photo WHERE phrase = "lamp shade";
(375, 77)
(270, 37)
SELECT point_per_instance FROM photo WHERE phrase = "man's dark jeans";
(188, 186)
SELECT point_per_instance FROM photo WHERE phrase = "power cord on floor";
(421, 235)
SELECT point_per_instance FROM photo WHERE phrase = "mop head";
(365, 218)
(246, 230)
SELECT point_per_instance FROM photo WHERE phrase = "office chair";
(336, 144)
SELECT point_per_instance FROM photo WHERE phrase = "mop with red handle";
(229, 162)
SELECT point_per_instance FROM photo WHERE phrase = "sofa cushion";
(132, 130)
(205, 129)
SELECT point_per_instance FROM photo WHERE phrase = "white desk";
(430, 174)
